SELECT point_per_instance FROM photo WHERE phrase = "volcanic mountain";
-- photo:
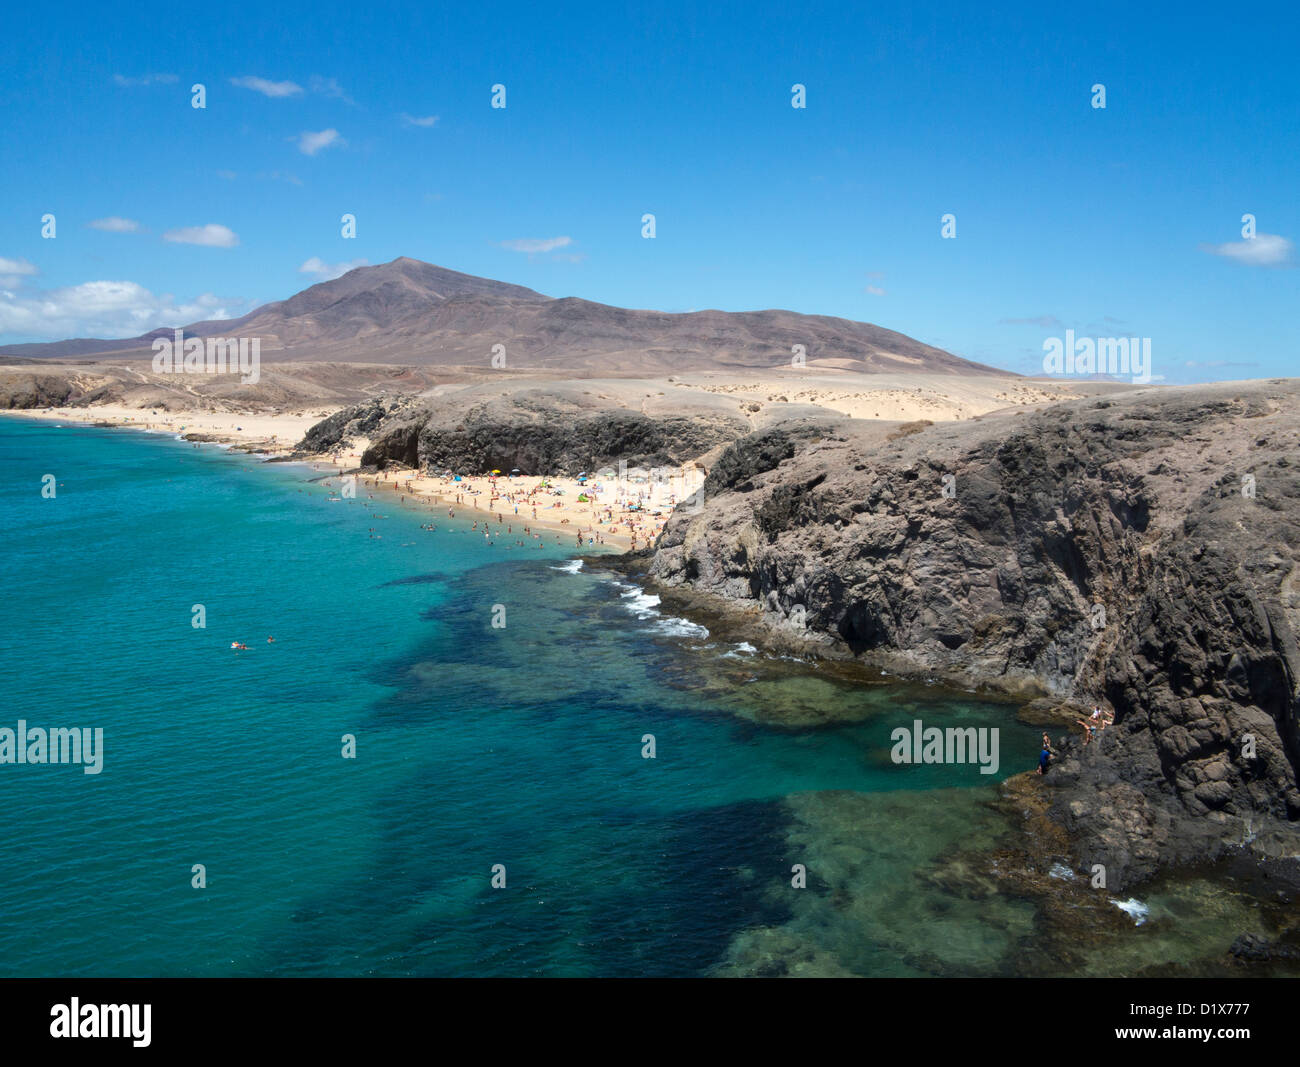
(411, 312)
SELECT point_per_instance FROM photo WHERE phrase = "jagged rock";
(1094, 551)
(25, 391)
(553, 429)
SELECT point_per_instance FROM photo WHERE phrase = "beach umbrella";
(516, 471)
(496, 472)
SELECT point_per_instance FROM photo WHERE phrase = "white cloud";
(147, 79)
(267, 88)
(12, 271)
(212, 235)
(327, 271)
(104, 309)
(1262, 250)
(116, 224)
(875, 290)
(417, 120)
(310, 143)
(537, 244)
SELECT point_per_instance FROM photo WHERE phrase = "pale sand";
(626, 513)
(889, 397)
(276, 433)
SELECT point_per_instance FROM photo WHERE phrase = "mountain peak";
(407, 311)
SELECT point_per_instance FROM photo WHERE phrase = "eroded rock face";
(359, 420)
(541, 447)
(1099, 550)
(25, 391)
(554, 429)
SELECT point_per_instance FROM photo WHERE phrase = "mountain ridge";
(409, 311)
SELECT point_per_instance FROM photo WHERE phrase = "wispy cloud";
(1262, 250)
(418, 120)
(212, 235)
(327, 271)
(267, 88)
(116, 224)
(1047, 322)
(310, 143)
(329, 87)
(875, 290)
(537, 244)
(144, 79)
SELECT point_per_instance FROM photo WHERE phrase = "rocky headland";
(1138, 550)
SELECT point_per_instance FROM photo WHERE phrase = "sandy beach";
(601, 510)
(622, 514)
(276, 433)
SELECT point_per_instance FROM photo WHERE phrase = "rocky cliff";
(550, 428)
(1139, 551)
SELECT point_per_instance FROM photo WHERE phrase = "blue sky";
(1123, 221)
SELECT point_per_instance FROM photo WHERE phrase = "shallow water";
(518, 745)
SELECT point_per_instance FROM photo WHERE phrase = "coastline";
(619, 516)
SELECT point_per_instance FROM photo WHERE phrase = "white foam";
(674, 627)
(642, 605)
(645, 606)
(1060, 870)
(1134, 909)
(569, 566)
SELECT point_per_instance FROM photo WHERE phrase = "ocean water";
(519, 745)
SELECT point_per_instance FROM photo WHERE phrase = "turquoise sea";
(475, 746)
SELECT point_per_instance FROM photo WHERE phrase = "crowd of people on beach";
(595, 510)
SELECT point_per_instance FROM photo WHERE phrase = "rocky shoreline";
(1139, 551)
